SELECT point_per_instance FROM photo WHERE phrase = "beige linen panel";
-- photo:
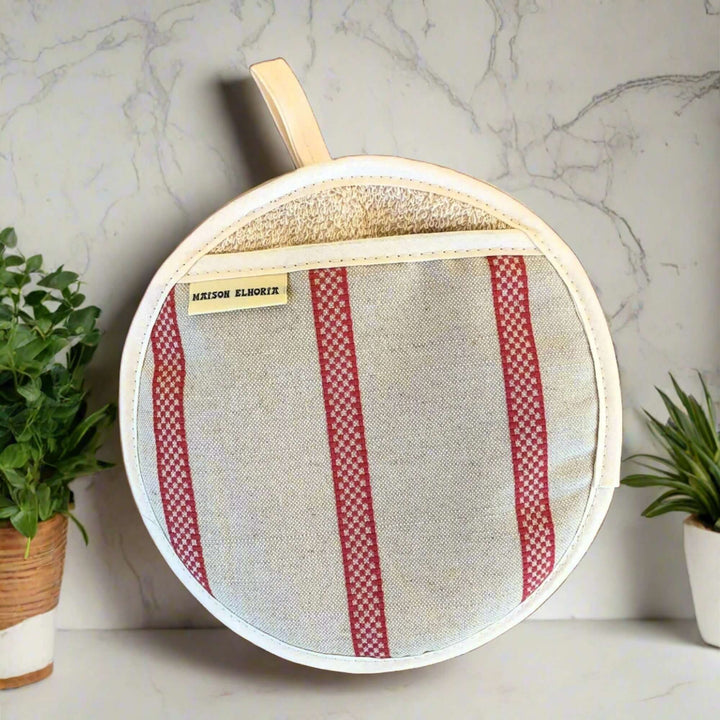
(438, 439)
(257, 443)
(438, 447)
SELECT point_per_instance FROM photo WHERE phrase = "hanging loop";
(291, 112)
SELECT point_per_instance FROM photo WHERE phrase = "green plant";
(690, 467)
(47, 437)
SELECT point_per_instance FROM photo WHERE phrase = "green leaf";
(79, 526)
(8, 238)
(15, 479)
(25, 521)
(678, 416)
(36, 298)
(31, 350)
(34, 263)
(8, 508)
(14, 456)
(19, 279)
(710, 407)
(682, 395)
(13, 260)
(44, 501)
(31, 390)
(44, 325)
(656, 481)
(703, 482)
(58, 280)
(22, 336)
(104, 416)
(665, 497)
(79, 355)
(92, 338)
(83, 320)
(671, 506)
(664, 470)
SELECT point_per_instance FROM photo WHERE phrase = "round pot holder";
(370, 409)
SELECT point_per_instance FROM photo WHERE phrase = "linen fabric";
(427, 449)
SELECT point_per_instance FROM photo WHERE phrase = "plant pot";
(702, 553)
(29, 592)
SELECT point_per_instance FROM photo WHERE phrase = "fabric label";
(237, 294)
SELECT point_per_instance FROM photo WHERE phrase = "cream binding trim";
(369, 251)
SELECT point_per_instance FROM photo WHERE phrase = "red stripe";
(349, 461)
(526, 416)
(173, 465)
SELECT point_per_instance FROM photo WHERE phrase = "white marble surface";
(582, 670)
(125, 123)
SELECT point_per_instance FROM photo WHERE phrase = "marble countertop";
(548, 669)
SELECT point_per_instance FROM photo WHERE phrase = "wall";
(125, 124)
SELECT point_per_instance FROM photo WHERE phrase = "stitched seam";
(366, 258)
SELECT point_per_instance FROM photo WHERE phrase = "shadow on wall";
(255, 133)
(140, 588)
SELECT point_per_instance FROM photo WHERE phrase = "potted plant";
(47, 439)
(689, 473)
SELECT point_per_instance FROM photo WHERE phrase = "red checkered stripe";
(349, 461)
(173, 465)
(526, 417)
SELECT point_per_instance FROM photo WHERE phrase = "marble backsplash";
(124, 124)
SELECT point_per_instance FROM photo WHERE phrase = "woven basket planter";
(29, 592)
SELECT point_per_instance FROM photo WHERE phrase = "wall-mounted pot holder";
(370, 409)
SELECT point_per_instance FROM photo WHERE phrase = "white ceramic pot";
(29, 592)
(26, 650)
(702, 553)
